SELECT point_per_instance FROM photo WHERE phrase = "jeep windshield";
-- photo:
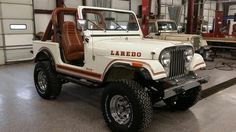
(109, 20)
(164, 26)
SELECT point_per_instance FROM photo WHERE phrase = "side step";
(79, 81)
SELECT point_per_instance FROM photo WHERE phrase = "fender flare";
(197, 62)
(142, 71)
(145, 67)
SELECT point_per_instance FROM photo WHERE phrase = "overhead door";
(2, 56)
(17, 29)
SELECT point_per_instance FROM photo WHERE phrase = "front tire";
(186, 100)
(126, 106)
(47, 84)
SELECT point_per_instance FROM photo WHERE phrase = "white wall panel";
(232, 12)
(120, 4)
(73, 3)
(1, 40)
(17, 29)
(23, 39)
(7, 23)
(18, 54)
(135, 4)
(168, 2)
(89, 2)
(41, 22)
(213, 5)
(232, 7)
(0, 27)
(164, 10)
(45, 4)
(17, 1)
(16, 11)
(177, 2)
(207, 6)
(2, 58)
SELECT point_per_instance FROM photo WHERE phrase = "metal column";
(190, 16)
(145, 16)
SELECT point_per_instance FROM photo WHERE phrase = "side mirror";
(179, 29)
(81, 24)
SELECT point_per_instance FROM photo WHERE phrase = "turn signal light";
(137, 64)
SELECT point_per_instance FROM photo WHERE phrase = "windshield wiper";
(119, 26)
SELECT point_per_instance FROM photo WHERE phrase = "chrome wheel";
(42, 81)
(121, 109)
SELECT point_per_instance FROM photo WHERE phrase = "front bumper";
(184, 84)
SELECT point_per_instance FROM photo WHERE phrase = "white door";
(17, 29)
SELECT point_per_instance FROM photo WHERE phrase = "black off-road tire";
(52, 83)
(139, 100)
(184, 101)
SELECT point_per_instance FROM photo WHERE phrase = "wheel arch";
(44, 55)
(126, 71)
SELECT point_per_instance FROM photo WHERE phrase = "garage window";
(18, 26)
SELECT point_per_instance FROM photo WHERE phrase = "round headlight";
(188, 54)
(165, 59)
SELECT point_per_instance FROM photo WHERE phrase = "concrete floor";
(220, 75)
(77, 109)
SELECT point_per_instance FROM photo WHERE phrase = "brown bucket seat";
(72, 42)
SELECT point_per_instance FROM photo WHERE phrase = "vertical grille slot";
(177, 63)
(196, 42)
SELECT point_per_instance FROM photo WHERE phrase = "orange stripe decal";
(198, 64)
(91, 74)
(101, 76)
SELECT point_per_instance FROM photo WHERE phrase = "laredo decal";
(126, 53)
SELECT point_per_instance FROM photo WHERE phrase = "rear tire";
(184, 101)
(47, 84)
(126, 106)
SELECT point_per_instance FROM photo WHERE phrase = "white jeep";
(167, 30)
(104, 47)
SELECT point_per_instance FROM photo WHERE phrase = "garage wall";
(232, 10)
(118, 4)
(73, 3)
(41, 20)
(17, 30)
(164, 7)
(2, 56)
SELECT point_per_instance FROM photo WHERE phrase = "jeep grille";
(177, 66)
(196, 42)
(177, 63)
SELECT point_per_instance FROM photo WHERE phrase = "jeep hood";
(175, 36)
(114, 47)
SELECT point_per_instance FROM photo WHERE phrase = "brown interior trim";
(53, 23)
